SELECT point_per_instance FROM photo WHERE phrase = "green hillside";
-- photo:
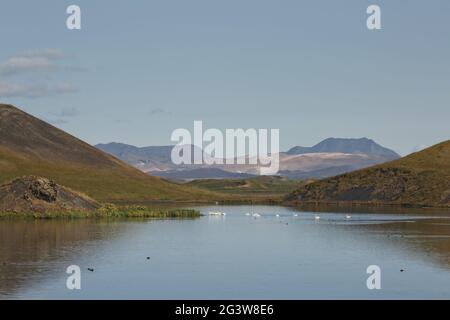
(29, 146)
(422, 178)
(260, 187)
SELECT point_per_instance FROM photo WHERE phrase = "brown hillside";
(29, 146)
(422, 178)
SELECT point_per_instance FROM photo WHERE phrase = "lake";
(231, 257)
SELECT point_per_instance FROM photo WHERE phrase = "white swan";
(317, 217)
(295, 215)
(256, 215)
(348, 216)
(217, 213)
(277, 215)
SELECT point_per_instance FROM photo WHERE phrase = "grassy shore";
(109, 212)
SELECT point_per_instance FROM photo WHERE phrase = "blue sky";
(140, 69)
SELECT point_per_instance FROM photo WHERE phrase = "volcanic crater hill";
(29, 146)
(422, 178)
(36, 194)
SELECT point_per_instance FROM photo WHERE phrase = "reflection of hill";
(429, 239)
(29, 248)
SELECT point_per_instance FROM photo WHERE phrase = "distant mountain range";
(330, 157)
(146, 159)
(39, 161)
(422, 178)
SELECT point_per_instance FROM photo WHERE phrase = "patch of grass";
(108, 211)
(269, 187)
(112, 211)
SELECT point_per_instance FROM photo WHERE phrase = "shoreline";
(107, 212)
(181, 210)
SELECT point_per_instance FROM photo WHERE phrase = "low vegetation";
(108, 211)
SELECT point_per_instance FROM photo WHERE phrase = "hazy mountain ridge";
(201, 173)
(319, 161)
(146, 159)
(128, 152)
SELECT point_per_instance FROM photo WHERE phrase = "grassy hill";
(259, 187)
(29, 146)
(422, 178)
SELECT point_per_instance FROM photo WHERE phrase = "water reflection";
(31, 250)
(285, 253)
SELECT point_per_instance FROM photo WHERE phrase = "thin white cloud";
(25, 64)
(31, 61)
(15, 90)
(30, 65)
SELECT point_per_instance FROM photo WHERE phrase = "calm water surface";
(232, 257)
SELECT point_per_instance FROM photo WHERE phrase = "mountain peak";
(347, 145)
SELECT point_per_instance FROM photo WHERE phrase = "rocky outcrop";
(40, 188)
(36, 194)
